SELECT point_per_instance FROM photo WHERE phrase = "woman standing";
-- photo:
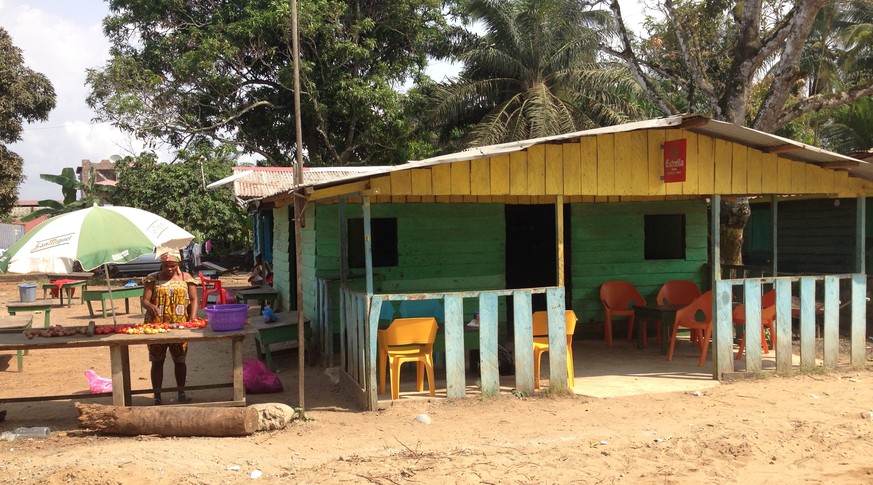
(169, 296)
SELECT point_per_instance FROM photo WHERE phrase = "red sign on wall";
(674, 160)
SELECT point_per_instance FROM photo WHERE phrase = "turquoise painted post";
(859, 319)
(831, 321)
(752, 296)
(860, 235)
(718, 365)
(807, 322)
(368, 246)
(489, 375)
(522, 320)
(723, 357)
(371, 383)
(783, 327)
(456, 385)
(345, 310)
(558, 376)
(352, 341)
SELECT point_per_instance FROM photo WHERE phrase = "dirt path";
(805, 428)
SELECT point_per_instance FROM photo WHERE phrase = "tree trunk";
(168, 420)
(734, 216)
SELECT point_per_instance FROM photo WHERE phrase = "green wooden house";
(508, 229)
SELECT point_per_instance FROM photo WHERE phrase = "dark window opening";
(665, 236)
(384, 234)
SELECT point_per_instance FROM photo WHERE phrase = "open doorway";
(531, 248)
(531, 252)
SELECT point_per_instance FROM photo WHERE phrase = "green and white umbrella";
(95, 236)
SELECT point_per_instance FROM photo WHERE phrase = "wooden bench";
(280, 331)
(16, 324)
(102, 294)
(264, 295)
(44, 306)
(68, 287)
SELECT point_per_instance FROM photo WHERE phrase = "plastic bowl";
(226, 318)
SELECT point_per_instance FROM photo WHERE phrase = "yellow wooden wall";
(610, 167)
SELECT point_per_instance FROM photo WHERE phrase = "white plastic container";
(37, 432)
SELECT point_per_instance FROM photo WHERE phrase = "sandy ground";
(627, 429)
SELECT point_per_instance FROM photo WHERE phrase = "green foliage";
(25, 96)
(535, 72)
(179, 72)
(773, 65)
(176, 191)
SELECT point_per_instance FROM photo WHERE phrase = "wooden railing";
(359, 320)
(796, 300)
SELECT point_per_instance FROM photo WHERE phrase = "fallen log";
(168, 420)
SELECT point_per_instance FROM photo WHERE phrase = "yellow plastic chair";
(541, 342)
(407, 340)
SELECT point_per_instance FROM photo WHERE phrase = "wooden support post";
(239, 390)
(368, 246)
(115, 359)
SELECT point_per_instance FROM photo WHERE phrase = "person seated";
(262, 274)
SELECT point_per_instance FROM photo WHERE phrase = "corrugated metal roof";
(695, 123)
(251, 183)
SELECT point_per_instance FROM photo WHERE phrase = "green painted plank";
(456, 385)
(489, 375)
(524, 366)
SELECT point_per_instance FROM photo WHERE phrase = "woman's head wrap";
(171, 256)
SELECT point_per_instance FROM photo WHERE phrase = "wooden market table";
(45, 306)
(16, 324)
(67, 287)
(120, 358)
(102, 294)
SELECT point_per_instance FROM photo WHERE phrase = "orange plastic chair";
(695, 316)
(211, 286)
(618, 298)
(677, 292)
(407, 340)
(541, 342)
(768, 321)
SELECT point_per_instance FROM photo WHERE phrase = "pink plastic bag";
(96, 383)
(258, 379)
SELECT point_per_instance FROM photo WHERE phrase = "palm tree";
(535, 72)
(92, 194)
(842, 49)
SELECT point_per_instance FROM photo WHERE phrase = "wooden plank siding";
(441, 247)
(608, 243)
(624, 166)
(283, 257)
(815, 236)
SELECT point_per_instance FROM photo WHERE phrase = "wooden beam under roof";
(786, 147)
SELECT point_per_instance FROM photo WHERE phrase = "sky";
(61, 39)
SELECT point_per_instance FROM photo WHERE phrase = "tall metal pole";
(298, 205)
